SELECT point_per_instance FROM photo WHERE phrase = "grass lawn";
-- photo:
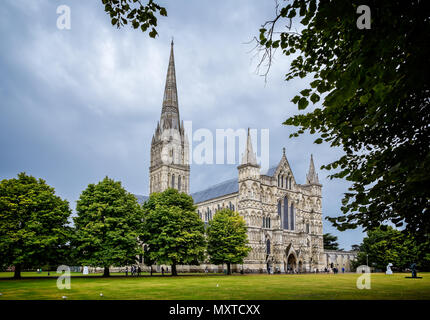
(207, 287)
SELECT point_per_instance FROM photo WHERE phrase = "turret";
(249, 167)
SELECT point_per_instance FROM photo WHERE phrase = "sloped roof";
(218, 190)
(141, 199)
(271, 171)
(215, 191)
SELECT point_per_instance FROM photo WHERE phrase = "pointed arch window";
(285, 222)
(179, 183)
(268, 246)
(292, 216)
(286, 182)
(282, 181)
(173, 180)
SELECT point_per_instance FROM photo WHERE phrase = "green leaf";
(303, 103)
(305, 92)
(295, 99)
(315, 98)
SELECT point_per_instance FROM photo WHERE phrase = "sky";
(81, 104)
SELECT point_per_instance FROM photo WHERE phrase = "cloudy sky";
(79, 104)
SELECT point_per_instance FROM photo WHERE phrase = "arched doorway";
(291, 263)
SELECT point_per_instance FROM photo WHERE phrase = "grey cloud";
(80, 104)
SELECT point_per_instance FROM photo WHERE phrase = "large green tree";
(330, 242)
(385, 245)
(172, 229)
(107, 226)
(375, 91)
(34, 227)
(227, 238)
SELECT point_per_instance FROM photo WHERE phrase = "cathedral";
(283, 217)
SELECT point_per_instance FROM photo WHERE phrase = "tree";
(134, 12)
(355, 247)
(172, 229)
(107, 225)
(33, 224)
(385, 245)
(227, 238)
(375, 90)
(330, 242)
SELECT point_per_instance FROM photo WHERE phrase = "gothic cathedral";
(284, 218)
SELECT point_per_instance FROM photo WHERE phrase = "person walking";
(162, 271)
(139, 270)
(126, 271)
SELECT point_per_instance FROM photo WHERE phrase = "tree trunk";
(106, 272)
(228, 268)
(174, 273)
(17, 273)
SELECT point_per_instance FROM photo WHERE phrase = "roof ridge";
(216, 185)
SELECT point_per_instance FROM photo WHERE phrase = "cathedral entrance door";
(291, 263)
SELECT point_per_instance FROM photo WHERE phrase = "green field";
(207, 287)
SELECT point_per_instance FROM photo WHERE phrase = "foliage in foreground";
(375, 90)
(107, 226)
(33, 224)
(227, 238)
(386, 245)
(172, 230)
(135, 13)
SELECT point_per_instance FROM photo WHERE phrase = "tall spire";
(249, 156)
(170, 111)
(312, 176)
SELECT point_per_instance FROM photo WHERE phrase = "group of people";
(133, 270)
(334, 269)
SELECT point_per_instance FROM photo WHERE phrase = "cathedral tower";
(169, 147)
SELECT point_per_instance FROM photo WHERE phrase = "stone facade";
(339, 259)
(284, 218)
(169, 146)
